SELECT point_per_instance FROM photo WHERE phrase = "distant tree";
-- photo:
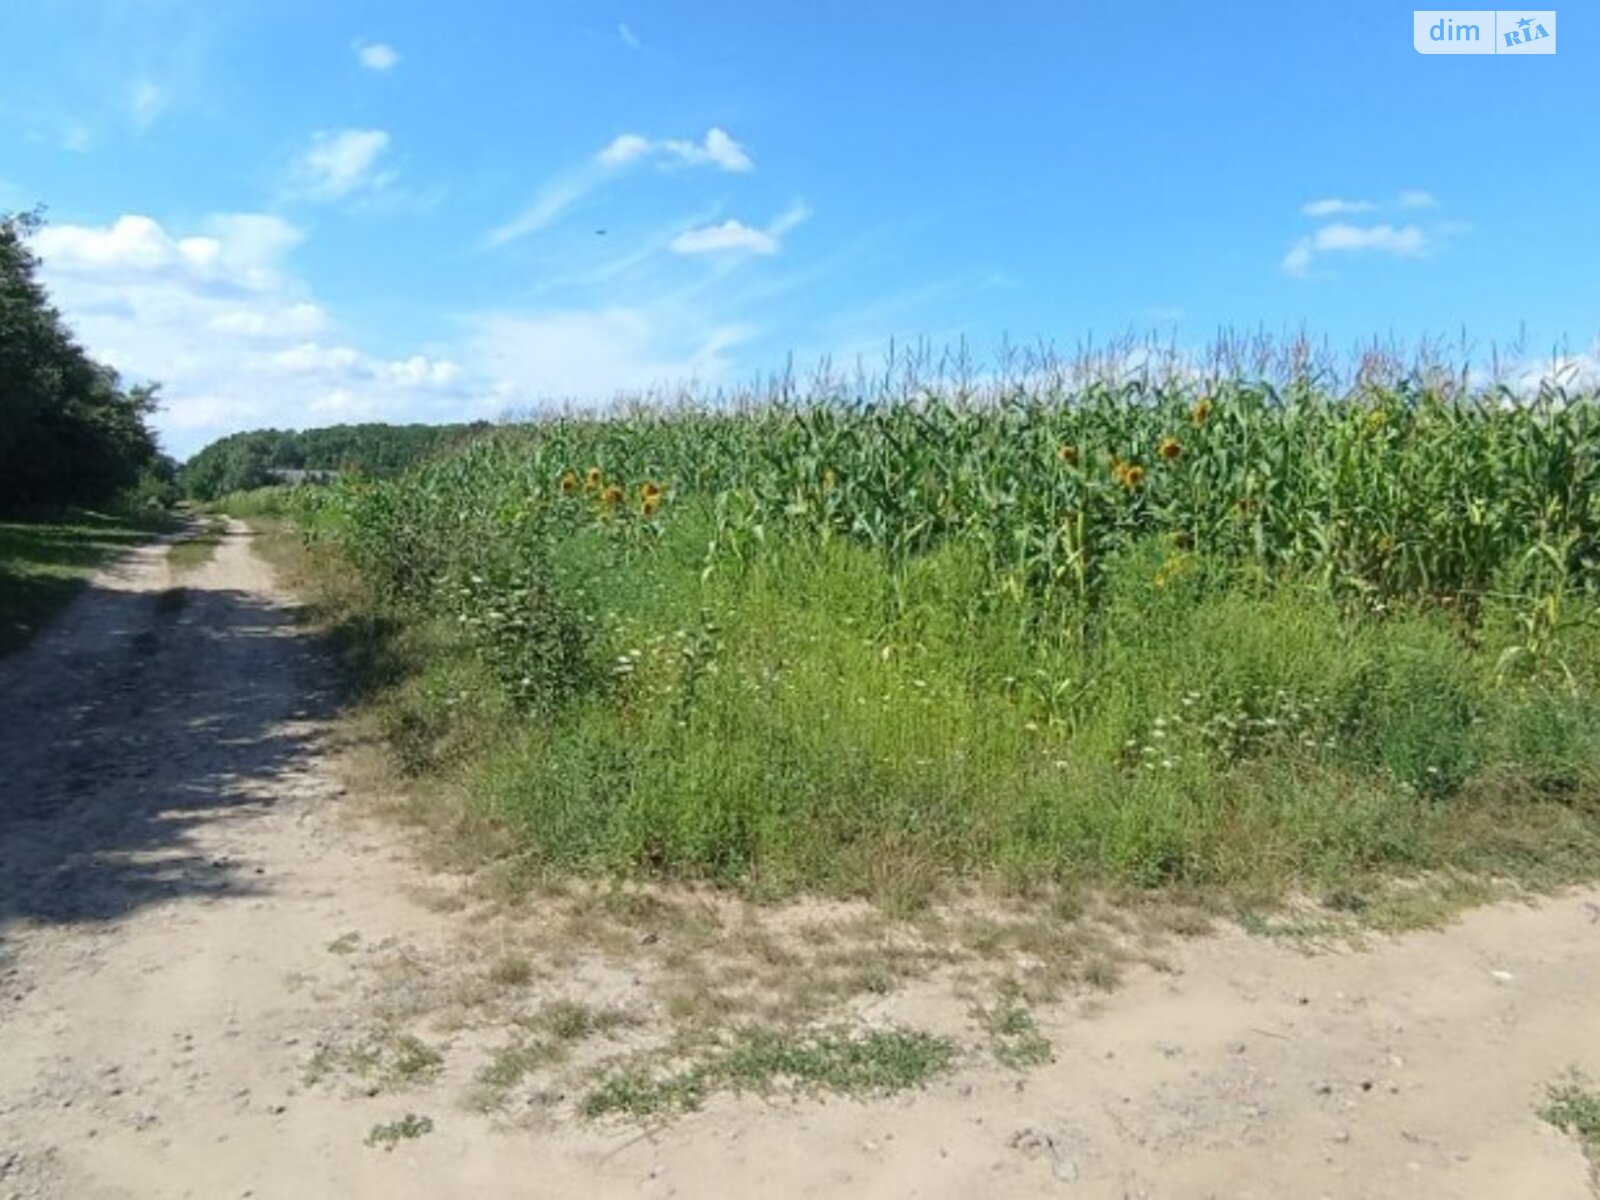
(242, 461)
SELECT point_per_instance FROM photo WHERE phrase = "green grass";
(1013, 1035)
(1574, 1108)
(385, 1056)
(275, 501)
(386, 1135)
(197, 547)
(44, 563)
(1243, 737)
(875, 1063)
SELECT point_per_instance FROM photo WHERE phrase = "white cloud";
(1417, 198)
(730, 235)
(1406, 241)
(629, 38)
(376, 56)
(340, 162)
(237, 250)
(738, 237)
(235, 337)
(623, 149)
(1334, 206)
(716, 149)
(146, 102)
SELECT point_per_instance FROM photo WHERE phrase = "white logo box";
(1484, 31)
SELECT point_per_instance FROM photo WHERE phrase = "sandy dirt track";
(177, 853)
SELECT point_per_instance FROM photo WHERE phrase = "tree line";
(242, 461)
(70, 432)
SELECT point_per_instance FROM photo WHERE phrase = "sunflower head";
(569, 482)
(1201, 412)
(1068, 453)
(651, 504)
(650, 488)
(1169, 448)
(593, 478)
(1132, 476)
(612, 496)
(1243, 505)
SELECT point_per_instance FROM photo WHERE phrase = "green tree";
(70, 433)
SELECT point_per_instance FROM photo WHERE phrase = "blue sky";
(296, 213)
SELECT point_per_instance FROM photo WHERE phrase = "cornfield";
(1024, 583)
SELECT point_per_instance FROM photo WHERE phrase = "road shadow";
(135, 721)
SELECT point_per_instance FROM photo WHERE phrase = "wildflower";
(569, 482)
(612, 496)
(593, 478)
(1201, 412)
(1169, 448)
(1132, 476)
(1068, 454)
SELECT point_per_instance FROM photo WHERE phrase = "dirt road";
(177, 857)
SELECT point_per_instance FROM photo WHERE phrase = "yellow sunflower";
(1169, 448)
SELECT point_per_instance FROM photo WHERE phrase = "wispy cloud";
(146, 101)
(548, 207)
(77, 138)
(341, 162)
(561, 193)
(1334, 206)
(628, 36)
(1337, 206)
(376, 56)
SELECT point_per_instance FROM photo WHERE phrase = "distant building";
(292, 475)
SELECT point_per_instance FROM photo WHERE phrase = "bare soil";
(219, 974)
